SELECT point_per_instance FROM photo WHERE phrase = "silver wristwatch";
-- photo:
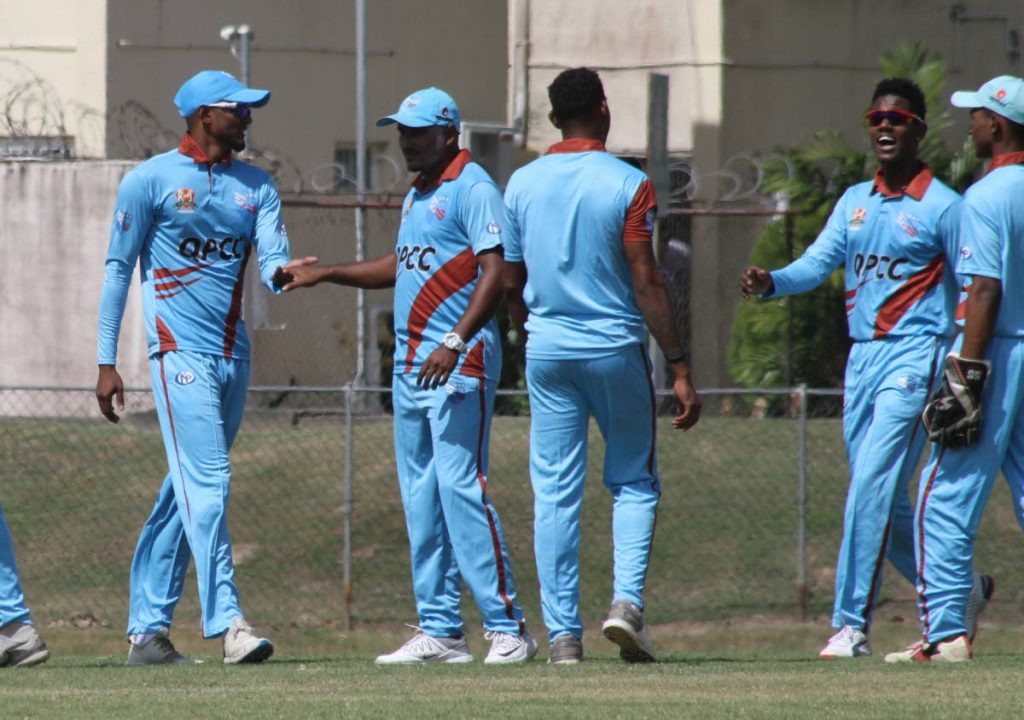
(452, 341)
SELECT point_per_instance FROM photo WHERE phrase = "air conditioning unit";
(493, 146)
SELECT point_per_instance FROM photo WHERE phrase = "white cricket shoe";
(421, 648)
(981, 592)
(507, 648)
(849, 642)
(625, 627)
(21, 646)
(957, 649)
(158, 650)
(241, 645)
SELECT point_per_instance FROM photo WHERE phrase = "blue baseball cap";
(1003, 95)
(430, 106)
(212, 86)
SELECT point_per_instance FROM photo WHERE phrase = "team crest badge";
(907, 223)
(185, 200)
(123, 220)
(439, 206)
(246, 203)
(858, 218)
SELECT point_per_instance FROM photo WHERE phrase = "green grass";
(782, 683)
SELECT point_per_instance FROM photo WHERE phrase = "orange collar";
(915, 189)
(575, 145)
(1013, 158)
(189, 146)
(454, 169)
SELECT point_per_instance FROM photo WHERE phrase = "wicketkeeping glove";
(953, 415)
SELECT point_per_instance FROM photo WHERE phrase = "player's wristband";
(673, 359)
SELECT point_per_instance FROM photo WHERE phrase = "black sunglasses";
(241, 110)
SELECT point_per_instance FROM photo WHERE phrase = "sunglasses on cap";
(241, 110)
(896, 117)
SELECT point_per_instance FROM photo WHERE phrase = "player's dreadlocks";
(904, 88)
(575, 93)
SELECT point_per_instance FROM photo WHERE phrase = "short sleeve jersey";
(191, 226)
(443, 229)
(992, 237)
(568, 214)
(895, 247)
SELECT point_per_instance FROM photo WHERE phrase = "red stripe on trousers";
(495, 539)
(174, 438)
(925, 621)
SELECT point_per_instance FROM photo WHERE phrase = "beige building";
(745, 77)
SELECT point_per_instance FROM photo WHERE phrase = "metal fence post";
(346, 514)
(802, 594)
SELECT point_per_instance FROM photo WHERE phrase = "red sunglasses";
(896, 117)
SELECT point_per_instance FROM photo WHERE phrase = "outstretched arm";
(652, 298)
(368, 274)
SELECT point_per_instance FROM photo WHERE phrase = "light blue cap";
(1003, 95)
(430, 106)
(211, 86)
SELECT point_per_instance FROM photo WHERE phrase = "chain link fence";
(748, 527)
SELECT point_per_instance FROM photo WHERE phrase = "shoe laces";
(164, 644)
(503, 641)
(420, 642)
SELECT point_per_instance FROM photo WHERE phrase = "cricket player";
(983, 381)
(20, 644)
(896, 235)
(192, 219)
(581, 281)
(446, 271)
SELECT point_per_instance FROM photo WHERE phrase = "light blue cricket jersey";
(895, 248)
(992, 237)
(568, 214)
(191, 227)
(444, 227)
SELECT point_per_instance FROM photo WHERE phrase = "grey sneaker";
(241, 645)
(625, 628)
(422, 648)
(981, 592)
(21, 646)
(565, 650)
(159, 650)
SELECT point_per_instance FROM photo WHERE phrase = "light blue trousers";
(12, 600)
(199, 400)
(441, 449)
(887, 384)
(955, 486)
(617, 390)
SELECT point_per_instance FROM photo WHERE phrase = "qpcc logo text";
(210, 250)
(882, 266)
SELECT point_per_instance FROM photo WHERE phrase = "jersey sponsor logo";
(882, 267)
(1000, 95)
(123, 220)
(415, 258)
(649, 219)
(965, 253)
(907, 223)
(281, 230)
(246, 202)
(185, 377)
(493, 228)
(185, 200)
(858, 218)
(201, 250)
(439, 206)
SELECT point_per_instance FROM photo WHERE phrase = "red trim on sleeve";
(896, 306)
(451, 277)
(915, 189)
(452, 171)
(235, 312)
(165, 336)
(640, 215)
(576, 145)
(1013, 158)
